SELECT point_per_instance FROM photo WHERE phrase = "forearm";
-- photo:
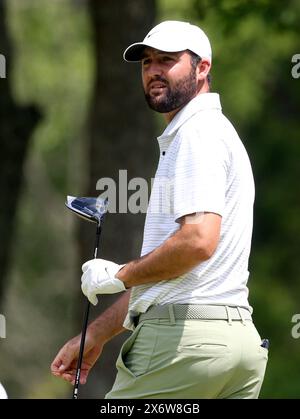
(174, 257)
(110, 322)
(193, 243)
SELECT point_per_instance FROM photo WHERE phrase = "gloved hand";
(99, 278)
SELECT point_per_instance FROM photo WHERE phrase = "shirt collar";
(202, 102)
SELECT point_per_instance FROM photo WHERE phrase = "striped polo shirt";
(203, 167)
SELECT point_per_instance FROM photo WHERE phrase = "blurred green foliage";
(253, 44)
(53, 67)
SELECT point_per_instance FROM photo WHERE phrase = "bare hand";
(65, 363)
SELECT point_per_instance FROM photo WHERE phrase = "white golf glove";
(99, 278)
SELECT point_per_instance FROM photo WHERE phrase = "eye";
(146, 61)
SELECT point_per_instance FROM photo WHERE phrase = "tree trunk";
(16, 126)
(121, 137)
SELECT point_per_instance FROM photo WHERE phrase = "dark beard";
(183, 91)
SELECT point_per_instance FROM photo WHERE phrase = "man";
(186, 296)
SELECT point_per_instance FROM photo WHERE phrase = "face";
(169, 80)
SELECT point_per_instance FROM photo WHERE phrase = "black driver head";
(89, 208)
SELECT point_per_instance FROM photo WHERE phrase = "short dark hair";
(195, 60)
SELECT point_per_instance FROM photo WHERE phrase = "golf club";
(91, 209)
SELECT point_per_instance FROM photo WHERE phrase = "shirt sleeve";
(200, 173)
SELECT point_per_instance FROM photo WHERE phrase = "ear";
(203, 68)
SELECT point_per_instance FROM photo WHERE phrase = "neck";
(170, 115)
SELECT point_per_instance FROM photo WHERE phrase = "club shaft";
(85, 324)
(81, 350)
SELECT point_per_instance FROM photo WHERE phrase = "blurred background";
(72, 112)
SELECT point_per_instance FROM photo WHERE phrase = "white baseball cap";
(172, 36)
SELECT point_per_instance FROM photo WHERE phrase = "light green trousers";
(191, 359)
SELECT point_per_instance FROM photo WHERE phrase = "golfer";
(186, 297)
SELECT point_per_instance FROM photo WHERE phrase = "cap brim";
(134, 52)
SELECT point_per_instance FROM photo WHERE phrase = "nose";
(153, 69)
